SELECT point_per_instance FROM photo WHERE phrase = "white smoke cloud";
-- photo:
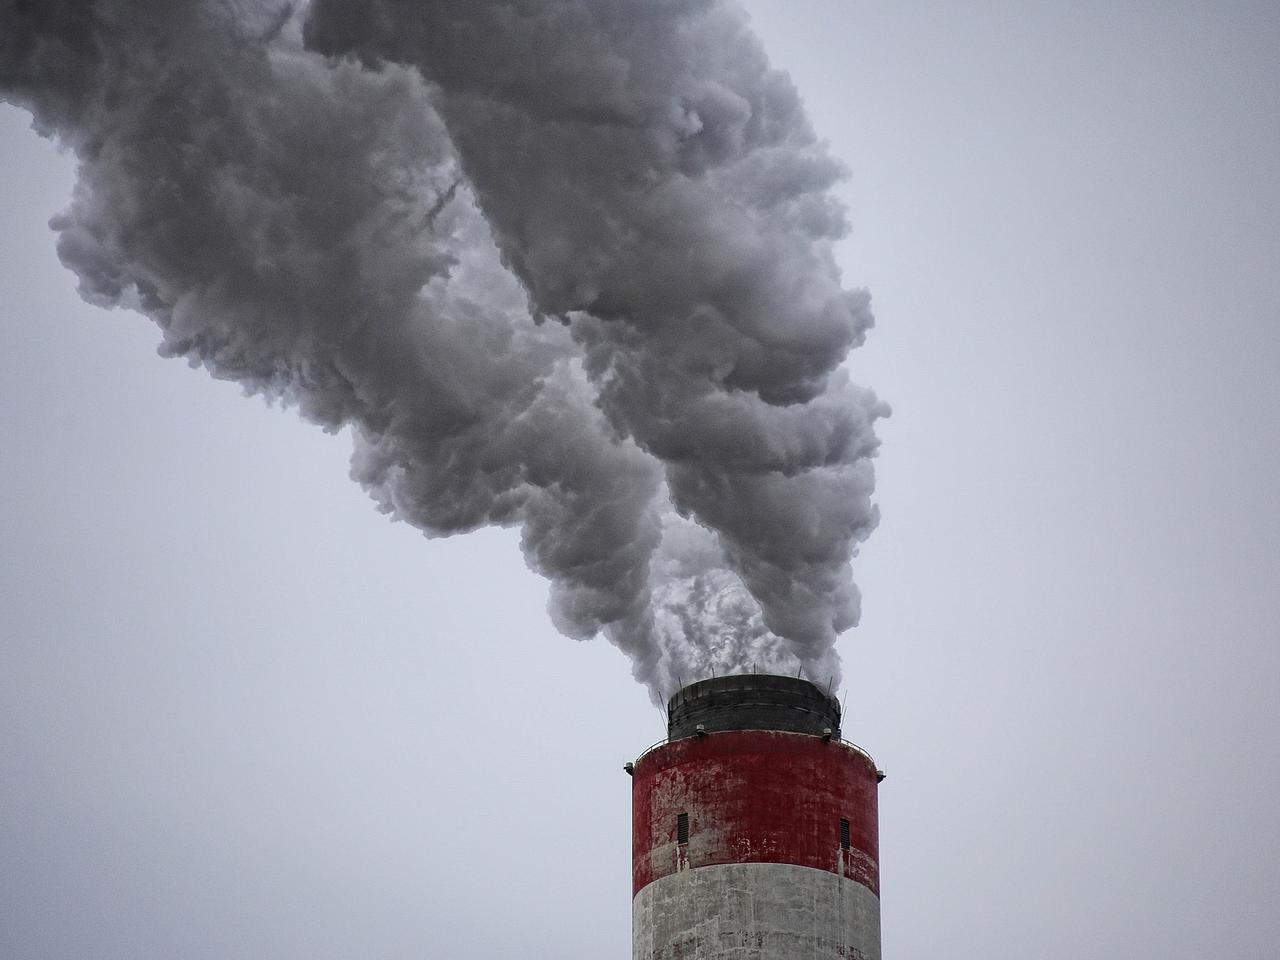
(379, 243)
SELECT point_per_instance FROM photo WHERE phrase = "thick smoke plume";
(558, 264)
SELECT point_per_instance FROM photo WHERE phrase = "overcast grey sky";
(245, 716)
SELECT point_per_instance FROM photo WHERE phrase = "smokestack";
(754, 829)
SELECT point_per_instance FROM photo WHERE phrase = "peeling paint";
(755, 796)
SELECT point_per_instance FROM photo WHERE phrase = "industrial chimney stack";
(754, 832)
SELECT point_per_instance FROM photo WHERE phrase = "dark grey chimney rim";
(752, 701)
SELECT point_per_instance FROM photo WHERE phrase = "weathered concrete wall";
(755, 911)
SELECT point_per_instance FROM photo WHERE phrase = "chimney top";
(751, 701)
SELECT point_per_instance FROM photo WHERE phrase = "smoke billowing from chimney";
(558, 264)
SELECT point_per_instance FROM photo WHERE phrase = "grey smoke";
(558, 265)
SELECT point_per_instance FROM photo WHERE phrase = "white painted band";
(755, 911)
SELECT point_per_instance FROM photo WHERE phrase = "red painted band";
(754, 796)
